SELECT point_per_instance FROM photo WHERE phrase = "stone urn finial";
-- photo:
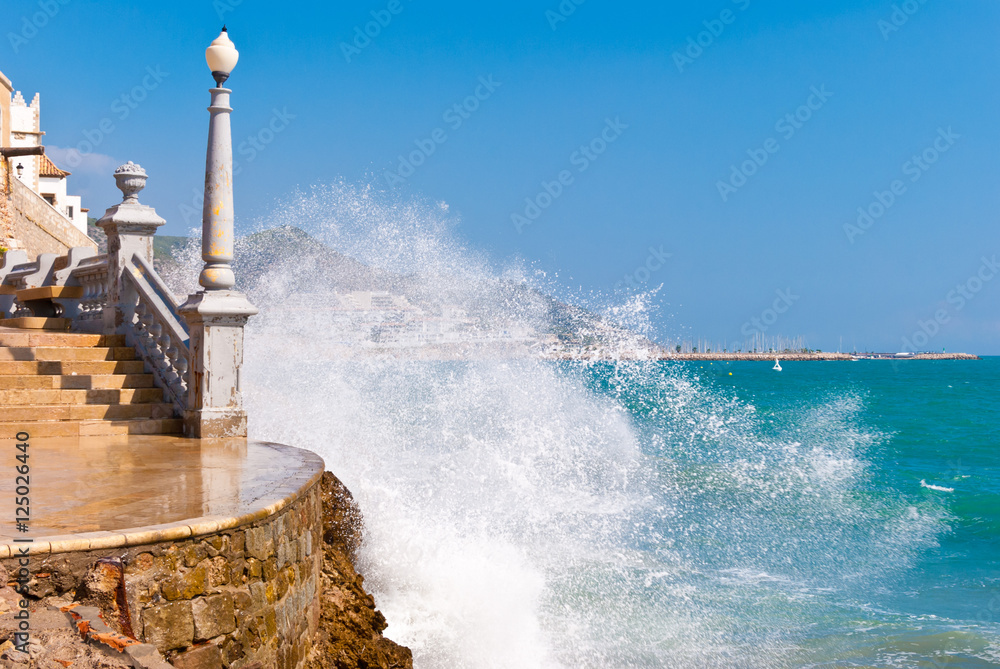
(131, 179)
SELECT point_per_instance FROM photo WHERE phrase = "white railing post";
(130, 227)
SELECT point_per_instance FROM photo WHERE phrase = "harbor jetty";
(814, 356)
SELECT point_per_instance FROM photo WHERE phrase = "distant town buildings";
(374, 322)
(379, 319)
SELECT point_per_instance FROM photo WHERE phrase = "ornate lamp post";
(217, 213)
(217, 314)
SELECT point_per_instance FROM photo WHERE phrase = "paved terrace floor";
(89, 493)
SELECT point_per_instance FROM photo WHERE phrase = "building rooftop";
(47, 168)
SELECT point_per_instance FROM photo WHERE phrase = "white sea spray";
(526, 513)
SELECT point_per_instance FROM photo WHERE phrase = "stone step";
(11, 398)
(91, 428)
(71, 367)
(80, 382)
(38, 323)
(77, 412)
(62, 339)
(101, 381)
(49, 353)
(31, 382)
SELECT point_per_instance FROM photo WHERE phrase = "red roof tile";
(47, 168)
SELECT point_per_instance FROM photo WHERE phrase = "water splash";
(526, 513)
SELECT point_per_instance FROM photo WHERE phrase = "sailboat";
(777, 365)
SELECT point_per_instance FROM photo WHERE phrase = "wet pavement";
(99, 492)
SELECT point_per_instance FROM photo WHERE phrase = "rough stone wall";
(37, 226)
(254, 597)
(7, 239)
(350, 634)
(246, 597)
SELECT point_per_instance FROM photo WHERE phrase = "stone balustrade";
(46, 287)
(157, 331)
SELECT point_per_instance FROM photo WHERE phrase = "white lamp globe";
(222, 56)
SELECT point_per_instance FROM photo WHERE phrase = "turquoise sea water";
(832, 514)
(533, 514)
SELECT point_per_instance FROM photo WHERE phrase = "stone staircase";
(61, 376)
(68, 385)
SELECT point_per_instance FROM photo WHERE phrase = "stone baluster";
(172, 377)
(95, 292)
(142, 317)
(180, 359)
(89, 296)
(163, 356)
(156, 355)
(96, 287)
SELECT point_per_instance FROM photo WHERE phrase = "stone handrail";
(157, 332)
(30, 275)
(47, 271)
(11, 260)
(167, 295)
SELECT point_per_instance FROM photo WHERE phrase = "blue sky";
(873, 84)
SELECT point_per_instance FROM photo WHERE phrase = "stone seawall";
(235, 598)
(281, 592)
(246, 596)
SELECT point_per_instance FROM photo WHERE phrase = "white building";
(38, 172)
(52, 187)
